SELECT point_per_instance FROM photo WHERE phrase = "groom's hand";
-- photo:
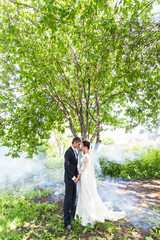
(75, 180)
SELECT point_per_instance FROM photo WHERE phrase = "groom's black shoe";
(69, 228)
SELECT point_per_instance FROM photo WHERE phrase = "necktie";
(76, 154)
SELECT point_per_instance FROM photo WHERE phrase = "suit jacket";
(70, 165)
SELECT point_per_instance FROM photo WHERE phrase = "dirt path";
(138, 193)
(139, 198)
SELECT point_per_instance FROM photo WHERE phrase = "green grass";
(21, 218)
(24, 217)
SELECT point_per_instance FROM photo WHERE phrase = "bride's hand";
(75, 180)
(79, 177)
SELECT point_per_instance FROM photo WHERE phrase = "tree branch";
(81, 117)
(9, 67)
(112, 96)
(68, 85)
(147, 5)
(26, 5)
(61, 105)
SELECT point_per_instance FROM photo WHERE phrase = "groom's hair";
(86, 144)
(76, 139)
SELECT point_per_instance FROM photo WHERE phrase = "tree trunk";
(98, 134)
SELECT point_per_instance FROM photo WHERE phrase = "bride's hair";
(86, 144)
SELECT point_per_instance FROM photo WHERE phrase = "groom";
(70, 179)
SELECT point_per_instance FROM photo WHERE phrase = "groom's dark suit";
(71, 170)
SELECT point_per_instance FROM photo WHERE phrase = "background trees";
(81, 63)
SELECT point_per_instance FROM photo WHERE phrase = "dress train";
(90, 207)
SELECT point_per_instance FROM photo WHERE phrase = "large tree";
(76, 62)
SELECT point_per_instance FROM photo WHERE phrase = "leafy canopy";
(80, 63)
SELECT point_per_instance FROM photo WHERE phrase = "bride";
(90, 208)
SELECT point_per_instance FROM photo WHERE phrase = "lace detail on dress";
(90, 207)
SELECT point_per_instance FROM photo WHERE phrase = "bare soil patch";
(139, 198)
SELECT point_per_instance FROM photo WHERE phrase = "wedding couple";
(90, 208)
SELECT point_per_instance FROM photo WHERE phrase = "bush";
(147, 166)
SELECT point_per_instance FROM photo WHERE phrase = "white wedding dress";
(90, 208)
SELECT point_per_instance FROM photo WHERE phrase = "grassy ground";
(35, 215)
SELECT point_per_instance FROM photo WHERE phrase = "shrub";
(147, 166)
